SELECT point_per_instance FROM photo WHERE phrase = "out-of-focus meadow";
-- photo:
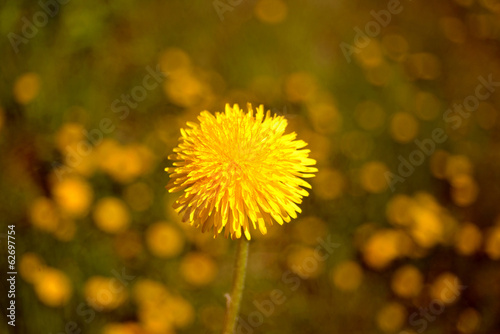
(401, 231)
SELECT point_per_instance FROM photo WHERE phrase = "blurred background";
(399, 104)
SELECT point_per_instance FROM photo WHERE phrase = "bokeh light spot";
(403, 127)
(407, 281)
(271, 11)
(373, 177)
(164, 240)
(111, 215)
(198, 269)
(27, 87)
(347, 276)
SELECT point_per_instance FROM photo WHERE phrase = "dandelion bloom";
(239, 170)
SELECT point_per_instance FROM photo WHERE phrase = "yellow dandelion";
(239, 170)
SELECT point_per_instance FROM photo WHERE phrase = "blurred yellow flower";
(239, 170)
(492, 244)
(26, 87)
(427, 228)
(73, 195)
(103, 293)
(372, 176)
(156, 320)
(182, 311)
(391, 317)
(458, 165)
(464, 190)
(407, 281)
(371, 55)
(164, 240)
(31, 267)
(347, 276)
(159, 310)
(383, 247)
(468, 321)
(468, 239)
(446, 288)
(438, 164)
(124, 163)
(111, 215)
(198, 269)
(53, 288)
(403, 127)
(149, 293)
(70, 134)
(398, 210)
(44, 215)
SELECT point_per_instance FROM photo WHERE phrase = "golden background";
(392, 97)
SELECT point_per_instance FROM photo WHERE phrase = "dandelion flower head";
(239, 170)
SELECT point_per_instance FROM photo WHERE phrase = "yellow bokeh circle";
(391, 317)
(347, 276)
(73, 195)
(403, 127)
(198, 269)
(373, 178)
(492, 244)
(164, 240)
(468, 321)
(53, 288)
(44, 214)
(31, 267)
(111, 215)
(104, 293)
(407, 281)
(26, 87)
(271, 11)
(446, 288)
(468, 239)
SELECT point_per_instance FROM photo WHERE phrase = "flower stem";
(233, 302)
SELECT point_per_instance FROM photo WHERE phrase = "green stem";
(233, 303)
